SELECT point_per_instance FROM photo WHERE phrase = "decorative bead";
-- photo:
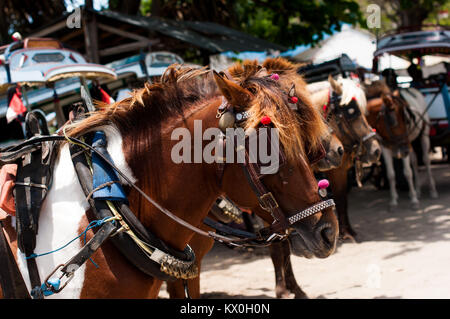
(293, 99)
(323, 183)
(275, 77)
(266, 120)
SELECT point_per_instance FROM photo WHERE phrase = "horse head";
(301, 131)
(387, 115)
(343, 105)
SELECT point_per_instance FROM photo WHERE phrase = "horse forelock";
(294, 127)
(350, 90)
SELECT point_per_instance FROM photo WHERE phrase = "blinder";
(344, 116)
(351, 111)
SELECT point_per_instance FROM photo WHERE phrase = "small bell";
(227, 120)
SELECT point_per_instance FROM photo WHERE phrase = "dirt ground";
(400, 254)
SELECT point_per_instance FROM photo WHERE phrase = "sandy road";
(401, 254)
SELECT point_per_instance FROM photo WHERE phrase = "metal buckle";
(275, 236)
(262, 202)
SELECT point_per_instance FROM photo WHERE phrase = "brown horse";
(398, 122)
(287, 76)
(140, 133)
(344, 105)
(352, 129)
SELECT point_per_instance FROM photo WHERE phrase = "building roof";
(169, 35)
(359, 45)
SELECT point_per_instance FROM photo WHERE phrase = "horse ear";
(387, 100)
(262, 72)
(235, 94)
(335, 85)
(292, 90)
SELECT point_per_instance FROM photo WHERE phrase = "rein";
(343, 119)
(141, 247)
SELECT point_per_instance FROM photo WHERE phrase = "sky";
(98, 4)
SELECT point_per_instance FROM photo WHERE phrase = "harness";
(396, 141)
(116, 221)
(344, 116)
(230, 117)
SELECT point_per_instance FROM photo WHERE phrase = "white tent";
(358, 44)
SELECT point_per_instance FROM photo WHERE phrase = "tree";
(398, 14)
(27, 15)
(130, 7)
(285, 22)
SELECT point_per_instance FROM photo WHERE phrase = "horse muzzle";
(372, 152)
(319, 242)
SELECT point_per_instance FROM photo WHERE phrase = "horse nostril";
(340, 150)
(328, 235)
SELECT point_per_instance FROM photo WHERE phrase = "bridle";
(344, 116)
(396, 141)
(279, 229)
(119, 219)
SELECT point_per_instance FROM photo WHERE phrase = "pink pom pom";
(323, 183)
(275, 77)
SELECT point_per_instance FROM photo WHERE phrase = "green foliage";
(297, 21)
(288, 23)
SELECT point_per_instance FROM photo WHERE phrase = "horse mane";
(180, 88)
(296, 128)
(350, 90)
(139, 118)
(376, 89)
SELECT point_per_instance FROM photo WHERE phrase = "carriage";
(133, 71)
(431, 81)
(342, 66)
(49, 76)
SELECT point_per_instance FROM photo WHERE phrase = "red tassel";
(293, 99)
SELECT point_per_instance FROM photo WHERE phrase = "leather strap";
(89, 249)
(11, 280)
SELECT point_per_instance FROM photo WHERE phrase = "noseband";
(282, 223)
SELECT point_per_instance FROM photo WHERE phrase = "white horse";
(417, 125)
(419, 128)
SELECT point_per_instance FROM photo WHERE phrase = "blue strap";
(103, 173)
